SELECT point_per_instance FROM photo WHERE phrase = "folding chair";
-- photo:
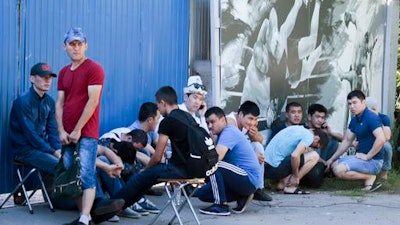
(175, 188)
(20, 171)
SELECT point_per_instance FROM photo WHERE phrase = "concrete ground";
(320, 208)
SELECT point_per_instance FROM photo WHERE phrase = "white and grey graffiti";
(275, 52)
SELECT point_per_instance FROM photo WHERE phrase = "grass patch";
(353, 188)
(341, 187)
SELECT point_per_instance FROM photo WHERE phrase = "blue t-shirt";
(384, 119)
(285, 142)
(240, 152)
(151, 135)
(363, 126)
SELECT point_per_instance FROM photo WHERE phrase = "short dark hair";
(167, 94)
(293, 104)
(126, 151)
(214, 110)
(323, 137)
(316, 108)
(138, 136)
(249, 107)
(356, 93)
(147, 109)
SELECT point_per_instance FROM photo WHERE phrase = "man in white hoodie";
(194, 100)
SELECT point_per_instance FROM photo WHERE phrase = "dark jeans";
(107, 183)
(44, 161)
(283, 170)
(139, 183)
(316, 176)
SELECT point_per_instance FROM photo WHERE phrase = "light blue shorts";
(88, 154)
(358, 165)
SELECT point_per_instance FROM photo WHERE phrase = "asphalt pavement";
(322, 208)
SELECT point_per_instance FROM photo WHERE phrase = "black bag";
(203, 158)
(67, 182)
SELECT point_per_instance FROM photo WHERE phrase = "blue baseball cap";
(74, 34)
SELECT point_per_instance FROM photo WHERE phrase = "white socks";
(84, 219)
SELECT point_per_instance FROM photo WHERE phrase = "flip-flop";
(297, 191)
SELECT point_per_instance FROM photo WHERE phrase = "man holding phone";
(194, 100)
(316, 119)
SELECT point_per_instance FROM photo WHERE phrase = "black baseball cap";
(42, 69)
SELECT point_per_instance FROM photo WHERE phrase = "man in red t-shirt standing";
(77, 112)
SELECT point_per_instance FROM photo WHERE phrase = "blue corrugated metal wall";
(142, 45)
(9, 83)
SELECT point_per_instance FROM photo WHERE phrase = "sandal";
(296, 191)
(372, 187)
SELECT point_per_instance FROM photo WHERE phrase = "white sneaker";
(114, 219)
(129, 213)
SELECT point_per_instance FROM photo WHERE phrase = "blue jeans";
(258, 147)
(229, 183)
(87, 155)
(44, 161)
(355, 164)
(139, 183)
(387, 156)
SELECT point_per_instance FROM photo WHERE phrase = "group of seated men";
(131, 159)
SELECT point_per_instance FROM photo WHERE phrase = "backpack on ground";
(203, 156)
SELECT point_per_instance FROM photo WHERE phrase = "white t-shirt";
(200, 120)
(116, 133)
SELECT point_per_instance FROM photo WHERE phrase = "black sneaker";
(105, 206)
(216, 209)
(242, 204)
(76, 222)
(19, 198)
(102, 218)
(154, 192)
(189, 190)
(105, 209)
(372, 187)
(260, 195)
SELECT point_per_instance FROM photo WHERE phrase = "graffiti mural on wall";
(275, 52)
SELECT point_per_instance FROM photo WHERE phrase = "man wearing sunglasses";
(194, 100)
